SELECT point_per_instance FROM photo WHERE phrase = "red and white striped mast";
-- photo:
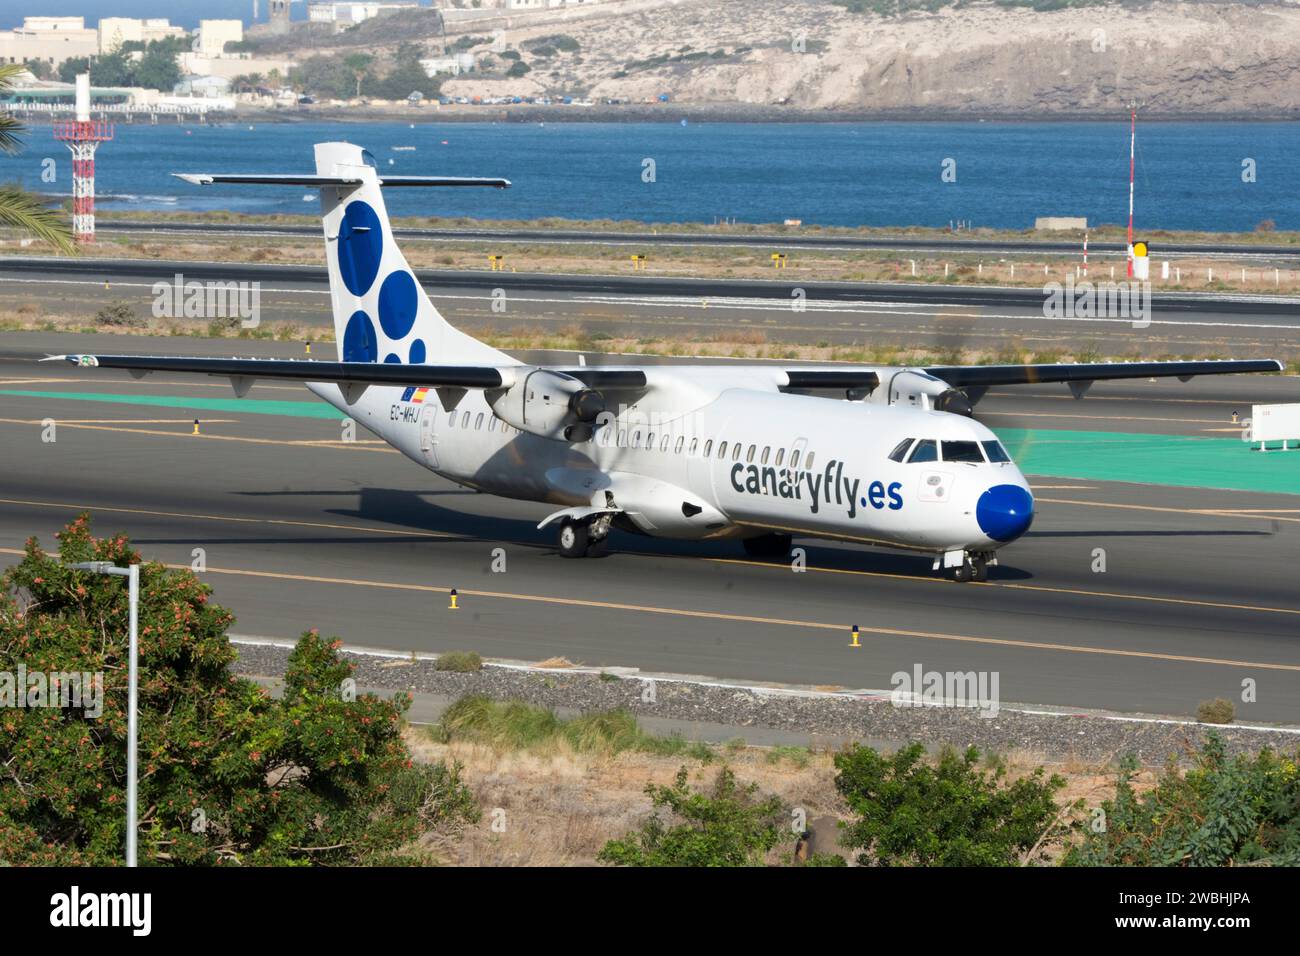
(1132, 141)
(82, 137)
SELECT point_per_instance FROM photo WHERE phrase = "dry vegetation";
(561, 805)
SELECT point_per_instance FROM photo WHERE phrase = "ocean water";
(1189, 175)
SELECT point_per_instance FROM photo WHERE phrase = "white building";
(208, 86)
(114, 31)
(52, 39)
(215, 34)
(348, 12)
(455, 65)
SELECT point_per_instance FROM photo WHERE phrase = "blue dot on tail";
(398, 303)
(359, 341)
(864, 502)
(391, 359)
(417, 352)
(360, 247)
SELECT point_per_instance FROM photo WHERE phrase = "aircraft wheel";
(962, 572)
(574, 540)
(979, 569)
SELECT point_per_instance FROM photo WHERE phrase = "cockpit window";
(368, 158)
(995, 451)
(967, 451)
(925, 450)
(900, 451)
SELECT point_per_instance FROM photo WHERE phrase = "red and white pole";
(1085, 254)
(82, 137)
(1132, 141)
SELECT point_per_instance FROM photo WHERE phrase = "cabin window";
(794, 458)
(925, 450)
(695, 443)
(762, 459)
(722, 450)
(650, 442)
(663, 445)
(995, 451)
(451, 419)
(735, 451)
(708, 448)
(464, 422)
(622, 437)
(636, 439)
(478, 422)
(808, 462)
(680, 442)
(780, 456)
(900, 450)
(492, 424)
(963, 451)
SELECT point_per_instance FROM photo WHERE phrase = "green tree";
(323, 76)
(39, 69)
(157, 69)
(71, 67)
(359, 64)
(910, 813)
(1223, 811)
(406, 76)
(113, 69)
(726, 826)
(19, 209)
(228, 775)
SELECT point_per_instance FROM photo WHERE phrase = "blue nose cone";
(1005, 512)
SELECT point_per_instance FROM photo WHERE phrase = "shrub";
(318, 777)
(1222, 812)
(727, 826)
(120, 314)
(461, 662)
(910, 813)
(1217, 711)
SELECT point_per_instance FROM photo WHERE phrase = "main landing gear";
(588, 538)
(974, 566)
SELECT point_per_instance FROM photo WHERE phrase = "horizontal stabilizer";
(318, 182)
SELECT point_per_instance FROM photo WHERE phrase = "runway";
(300, 528)
(941, 317)
(1279, 252)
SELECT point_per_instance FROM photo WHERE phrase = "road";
(299, 528)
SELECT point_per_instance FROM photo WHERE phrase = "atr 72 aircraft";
(881, 455)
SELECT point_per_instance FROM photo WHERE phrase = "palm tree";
(18, 208)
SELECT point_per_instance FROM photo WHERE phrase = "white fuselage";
(791, 463)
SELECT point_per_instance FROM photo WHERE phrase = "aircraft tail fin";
(381, 314)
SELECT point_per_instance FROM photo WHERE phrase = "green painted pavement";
(1181, 460)
(253, 406)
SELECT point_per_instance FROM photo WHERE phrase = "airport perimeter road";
(667, 237)
(301, 529)
(638, 306)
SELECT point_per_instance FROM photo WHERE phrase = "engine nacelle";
(549, 404)
(916, 388)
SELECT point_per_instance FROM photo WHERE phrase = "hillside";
(982, 58)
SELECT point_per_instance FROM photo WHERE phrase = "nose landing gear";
(967, 565)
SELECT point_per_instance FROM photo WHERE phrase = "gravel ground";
(1090, 737)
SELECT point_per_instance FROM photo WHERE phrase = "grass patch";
(460, 662)
(517, 725)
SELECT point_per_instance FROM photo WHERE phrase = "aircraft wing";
(354, 373)
(985, 376)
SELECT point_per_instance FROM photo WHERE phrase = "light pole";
(132, 574)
